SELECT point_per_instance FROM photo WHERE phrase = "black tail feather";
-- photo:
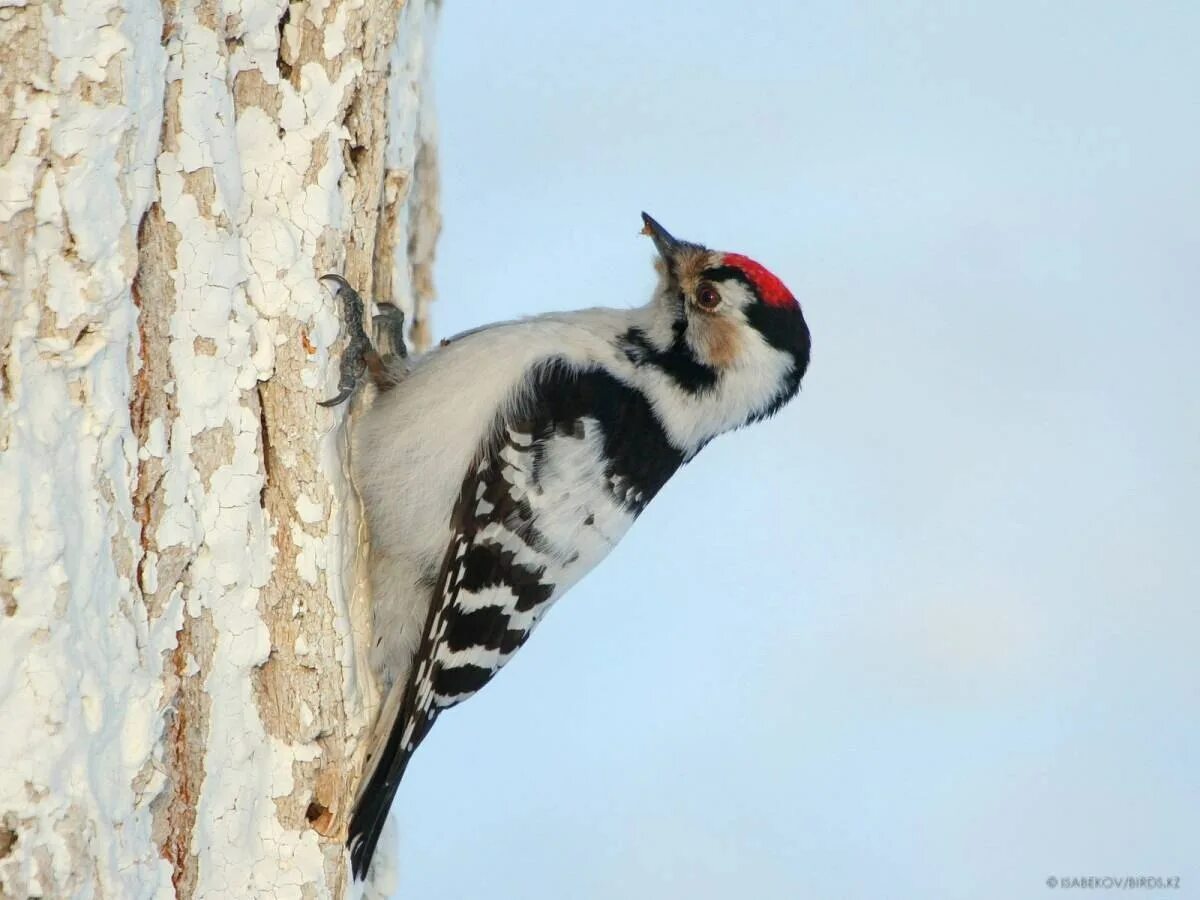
(371, 813)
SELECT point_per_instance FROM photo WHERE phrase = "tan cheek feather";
(715, 336)
(722, 344)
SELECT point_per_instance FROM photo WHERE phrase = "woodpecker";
(499, 468)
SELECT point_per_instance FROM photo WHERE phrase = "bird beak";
(667, 245)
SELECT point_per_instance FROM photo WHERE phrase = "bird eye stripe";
(727, 273)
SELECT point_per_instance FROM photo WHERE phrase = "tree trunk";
(182, 631)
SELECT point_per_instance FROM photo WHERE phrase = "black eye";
(708, 297)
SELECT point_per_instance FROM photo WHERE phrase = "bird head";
(729, 314)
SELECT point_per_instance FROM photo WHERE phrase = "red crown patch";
(770, 288)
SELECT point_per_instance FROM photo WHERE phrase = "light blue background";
(933, 632)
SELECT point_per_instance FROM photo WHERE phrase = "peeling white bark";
(180, 675)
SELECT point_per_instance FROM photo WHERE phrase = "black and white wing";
(552, 491)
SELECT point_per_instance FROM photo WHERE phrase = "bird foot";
(361, 357)
(389, 333)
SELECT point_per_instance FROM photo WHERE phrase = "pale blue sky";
(933, 632)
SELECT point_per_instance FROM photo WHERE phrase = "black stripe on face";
(454, 681)
(728, 273)
(784, 329)
(677, 361)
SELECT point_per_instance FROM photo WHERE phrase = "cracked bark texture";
(181, 615)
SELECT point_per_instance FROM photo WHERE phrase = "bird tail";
(374, 801)
(386, 763)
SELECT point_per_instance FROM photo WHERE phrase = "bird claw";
(361, 356)
(389, 331)
(342, 397)
(354, 362)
